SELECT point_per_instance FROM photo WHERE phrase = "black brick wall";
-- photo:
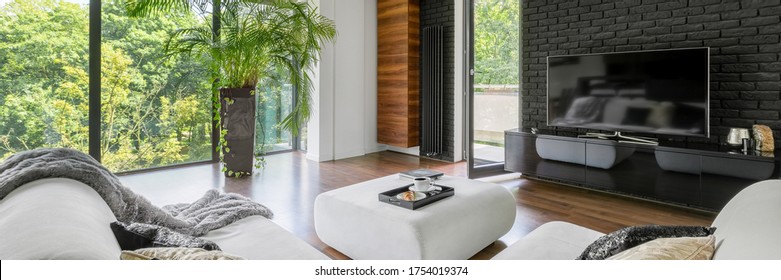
(743, 37)
(442, 13)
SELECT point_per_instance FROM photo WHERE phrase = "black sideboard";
(704, 177)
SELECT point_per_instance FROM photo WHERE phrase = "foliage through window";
(155, 110)
(275, 101)
(44, 58)
(497, 35)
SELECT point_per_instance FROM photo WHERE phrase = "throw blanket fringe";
(212, 211)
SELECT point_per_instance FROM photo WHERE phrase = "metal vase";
(736, 135)
(238, 118)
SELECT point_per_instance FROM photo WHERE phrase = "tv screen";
(659, 92)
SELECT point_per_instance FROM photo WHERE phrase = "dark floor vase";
(239, 120)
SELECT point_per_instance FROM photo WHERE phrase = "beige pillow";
(680, 248)
(174, 253)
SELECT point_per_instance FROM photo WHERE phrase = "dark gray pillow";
(628, 237)
(137, 236)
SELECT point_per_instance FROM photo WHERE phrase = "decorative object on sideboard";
(736, 136)
(748, 145)
(764, 138)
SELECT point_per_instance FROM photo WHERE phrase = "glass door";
(493, 84)
(275, 101)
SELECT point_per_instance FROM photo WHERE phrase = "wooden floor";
(290, 183)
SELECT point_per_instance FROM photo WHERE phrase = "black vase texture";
(238, 118)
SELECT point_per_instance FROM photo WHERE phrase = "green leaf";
(256, 37)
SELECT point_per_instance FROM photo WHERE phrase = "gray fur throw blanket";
(212, 211)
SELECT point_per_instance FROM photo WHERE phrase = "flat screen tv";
(657, 92)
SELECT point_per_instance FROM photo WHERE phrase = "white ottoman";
(353, 221)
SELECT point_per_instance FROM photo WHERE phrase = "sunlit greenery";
(497, 35)
(155, 111)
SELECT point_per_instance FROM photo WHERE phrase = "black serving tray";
(431, 197)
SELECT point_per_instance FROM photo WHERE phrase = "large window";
(275, 101)
(44, 57)
(155, 109)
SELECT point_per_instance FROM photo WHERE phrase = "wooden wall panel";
(398, 72)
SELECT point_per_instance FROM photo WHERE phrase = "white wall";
(320, 125)
(349, 90)
(344, 116)
(458, 88)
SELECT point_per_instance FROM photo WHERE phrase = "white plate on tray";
(418, 196)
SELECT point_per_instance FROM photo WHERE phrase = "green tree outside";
(155, 110)
(497, 37)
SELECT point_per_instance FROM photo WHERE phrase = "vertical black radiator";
(432, 87)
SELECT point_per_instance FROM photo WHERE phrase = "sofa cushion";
(258, 238)
(679, 248)
(176, 253)
(628, 237)
(749, 225)
(551, 241)
(56, 219)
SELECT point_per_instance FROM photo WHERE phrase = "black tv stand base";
(703, 177)
(618, 137)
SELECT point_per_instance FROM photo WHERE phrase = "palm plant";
(244, 39)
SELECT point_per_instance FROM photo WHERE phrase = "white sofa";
(748, 228)
(65, 219)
